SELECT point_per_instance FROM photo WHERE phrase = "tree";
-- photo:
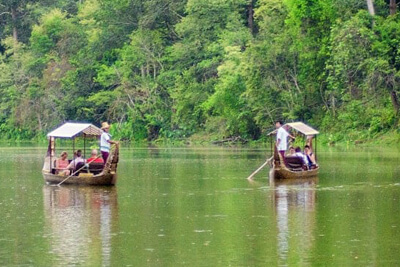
(393, 7)
(371, 8)
(226, 106)
(18, 16)
(197, 56)
(137, 95)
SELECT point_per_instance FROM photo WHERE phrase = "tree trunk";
(143, 71)
(14, 19)
(395, 102)
(393, 7)
(371, 9)
(250, 16)
(40, 128)
(333, 105)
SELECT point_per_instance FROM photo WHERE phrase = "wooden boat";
(281, 171)
(293, 168)
(94, 173)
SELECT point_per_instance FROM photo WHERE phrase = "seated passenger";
(301, 155)
(78, 158)
(292, 152)
(310, 156)
(62, 164)
(95, 158)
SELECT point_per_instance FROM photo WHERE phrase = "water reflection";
(79, 222)
(294, 201)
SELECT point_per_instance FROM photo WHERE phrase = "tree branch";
(4, 13)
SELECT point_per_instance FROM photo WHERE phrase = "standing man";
(281, 139)
(105, 141)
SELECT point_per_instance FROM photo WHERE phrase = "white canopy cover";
(73, 129)
(300, 127)
(303, 128)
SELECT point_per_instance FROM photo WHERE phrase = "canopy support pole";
(51, 167)
(84, 145)
(73, 150)
(51, 151)
(270, 142)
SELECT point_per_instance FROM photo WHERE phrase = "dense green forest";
(217, 68)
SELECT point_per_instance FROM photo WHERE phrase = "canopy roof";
(72, 130)
(300, 127)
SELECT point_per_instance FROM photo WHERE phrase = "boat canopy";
(300, 127)
(73, 129)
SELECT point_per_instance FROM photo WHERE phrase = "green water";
(195, 207)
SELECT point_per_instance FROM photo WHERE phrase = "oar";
(259, 169)
(78, 170)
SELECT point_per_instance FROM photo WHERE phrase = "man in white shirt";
(105, 141)
(281, 139)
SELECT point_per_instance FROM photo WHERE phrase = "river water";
(195, 207)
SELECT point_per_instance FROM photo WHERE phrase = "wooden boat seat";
(94, 168)
(78, 166)
(295, 163)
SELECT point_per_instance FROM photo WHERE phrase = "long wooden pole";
(259, 169)
(78, 170)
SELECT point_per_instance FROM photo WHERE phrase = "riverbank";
(200, 139)
(324, 139)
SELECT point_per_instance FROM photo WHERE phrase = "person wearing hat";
(105, 141)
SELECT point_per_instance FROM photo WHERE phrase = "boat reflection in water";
(294, 201)
(79, 221)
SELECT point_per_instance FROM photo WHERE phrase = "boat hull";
(99, 179)
(285, 173)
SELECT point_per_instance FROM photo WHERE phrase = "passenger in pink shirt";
(62, 164)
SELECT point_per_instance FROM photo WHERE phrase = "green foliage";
(170, 69)
(46, 35)
(130, 131)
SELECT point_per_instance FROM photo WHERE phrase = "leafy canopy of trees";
(174, 68)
